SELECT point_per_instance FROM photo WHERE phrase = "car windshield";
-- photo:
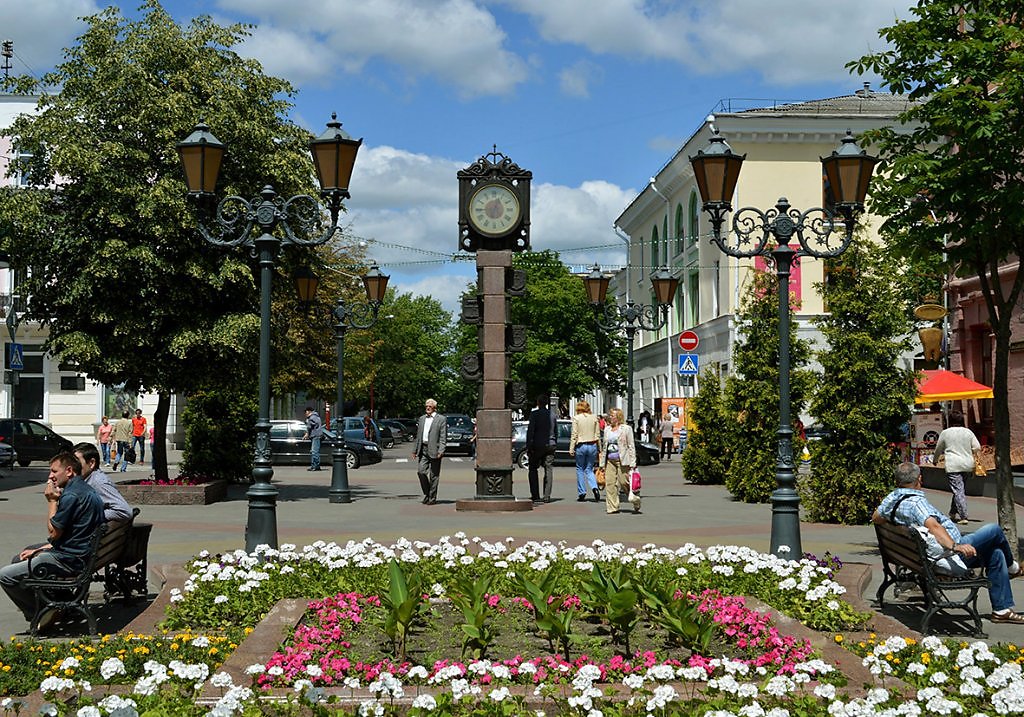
(464, 422)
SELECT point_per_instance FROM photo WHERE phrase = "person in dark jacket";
(541, 440)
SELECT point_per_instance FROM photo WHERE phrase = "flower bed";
(150, 492)
(342, 659)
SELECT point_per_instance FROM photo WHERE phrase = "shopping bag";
(634, 482)
(129, 455)
(599, 475)
(633, 497)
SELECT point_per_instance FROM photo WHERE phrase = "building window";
(20, 178)
(680, 228)
(654, 247)
(668, 243)
(694, 219)
(693, 303)
(680, 306)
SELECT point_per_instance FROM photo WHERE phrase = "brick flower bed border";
(201, 494)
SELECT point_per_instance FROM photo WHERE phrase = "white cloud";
(576, 80)
(454, 41)
(786, 41)
(41, 29)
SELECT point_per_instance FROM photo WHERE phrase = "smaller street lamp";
(347, 316)
(631, 316)
(769, 233)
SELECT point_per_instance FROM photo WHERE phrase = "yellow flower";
(7, 668)
(925, 658)
(872, 636)
(1011, 648)
(838, 638)
(213, 650)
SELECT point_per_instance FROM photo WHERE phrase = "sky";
(592, 96)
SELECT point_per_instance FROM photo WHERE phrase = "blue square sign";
(689, 364)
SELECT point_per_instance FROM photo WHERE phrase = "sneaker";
(962, 521)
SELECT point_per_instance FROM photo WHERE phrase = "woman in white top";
(618, 460)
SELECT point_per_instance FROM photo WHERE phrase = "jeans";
(314, 453)
(105, 450)
(12, 576)
(994, 555)
(586, 459)
(141, 451)
(122, 449)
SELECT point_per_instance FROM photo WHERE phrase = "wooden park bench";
(905, 559)
(117, 558)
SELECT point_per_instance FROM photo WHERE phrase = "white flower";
(222, 680)
(825, 691)
(110, 667)
(500, 694)
(425, 702)
(69, 663)
(88, 711)
(255, 669)
(201, 641)
(220, 599)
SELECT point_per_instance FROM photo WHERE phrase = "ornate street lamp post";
(235, 218)
(347, 316)
(631, 316)
(769, 233)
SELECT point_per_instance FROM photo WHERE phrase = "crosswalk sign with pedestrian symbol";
(17, 357)
(689, 364)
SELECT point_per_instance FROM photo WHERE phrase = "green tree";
(752, 393)
(705, 459)
(117, 271)
(864, 395)
(956, 160)
(566, 352)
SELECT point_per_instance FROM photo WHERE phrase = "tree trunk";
(1005, 507)
(159, 459)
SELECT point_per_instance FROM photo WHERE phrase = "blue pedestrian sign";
(17, 357)
(689, 364)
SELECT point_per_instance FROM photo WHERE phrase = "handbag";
(129, 455)
(599, 476)
(634, 482)
(979, 470)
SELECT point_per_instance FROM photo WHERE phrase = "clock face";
(493, 209)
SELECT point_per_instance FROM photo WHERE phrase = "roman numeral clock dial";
(494, 210)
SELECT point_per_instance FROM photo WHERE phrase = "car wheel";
(352, 460)
(524, 460)
(389, 443)
(23, 463)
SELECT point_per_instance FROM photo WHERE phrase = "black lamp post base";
(339, 492)
(785, 536)
(261, 524)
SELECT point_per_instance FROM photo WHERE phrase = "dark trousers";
(541, 456)
(666, 447)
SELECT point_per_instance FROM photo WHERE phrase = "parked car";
(406, 432)
(354, 430)
(287, 446)
(460, 434)
(7, 455)
(32, 440)
(817, 432)
(647, 454)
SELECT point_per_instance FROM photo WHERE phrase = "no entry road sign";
(688, 341)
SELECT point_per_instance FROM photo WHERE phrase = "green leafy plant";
(678, 615)
(552, 619)
(472, 596)
(705, 459)
(614, 599)
(403, 603)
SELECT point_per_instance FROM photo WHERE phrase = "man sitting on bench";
(987, 547)
(115, 507)
(75, 511)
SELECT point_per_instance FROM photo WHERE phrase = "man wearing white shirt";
(431, 434)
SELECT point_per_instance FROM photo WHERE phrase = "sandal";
(1011, 617)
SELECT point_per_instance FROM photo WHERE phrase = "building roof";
(864, 101)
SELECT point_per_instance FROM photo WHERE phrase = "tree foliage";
(751, 402)
(705, 458)
(950, 178)
(566, 352)
(864, 395)
(117, 271)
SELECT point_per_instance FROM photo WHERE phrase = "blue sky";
(592, 96)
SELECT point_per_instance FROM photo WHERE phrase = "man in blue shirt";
(74, 513)
(986, 548)
(314, 432)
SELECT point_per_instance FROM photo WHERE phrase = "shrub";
(219, 434)
(705, 458)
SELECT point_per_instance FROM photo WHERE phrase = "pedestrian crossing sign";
(689, 364)
(17, 357)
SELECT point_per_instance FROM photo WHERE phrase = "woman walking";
(959, 445)
(667, 433)
(103, 438)
(583, 444)
(619, 459)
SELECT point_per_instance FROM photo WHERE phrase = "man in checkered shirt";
(987, 547)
